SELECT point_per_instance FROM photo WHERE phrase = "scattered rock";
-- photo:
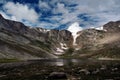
(84, 71)
(2, 76)
(57, 75)
(96, 71)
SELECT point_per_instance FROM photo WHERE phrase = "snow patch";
(59, 51)
(74, 38)
(74, 28)
(77, 48)
(119, 26)
(43, 30)
(63, 46)
(99, 28)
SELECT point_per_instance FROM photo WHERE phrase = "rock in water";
(57, 75)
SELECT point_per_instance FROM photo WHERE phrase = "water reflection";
(63, 62)
(69, 62)
(60, 62)
(74, 61)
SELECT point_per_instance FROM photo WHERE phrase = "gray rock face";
(89, 38)
(13, 26)
(112, 26)
(21, 42)
(62, 36)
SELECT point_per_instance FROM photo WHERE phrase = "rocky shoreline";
(50, 70)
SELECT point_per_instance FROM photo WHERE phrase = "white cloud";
(47, 25)
(67, 16)
(2, 1)
(44, 5)
(61, 9)
(21, 12)
(70, 17)
(101, 11)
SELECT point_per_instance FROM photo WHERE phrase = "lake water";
(61, 69)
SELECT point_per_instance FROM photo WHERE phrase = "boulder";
(57, 75)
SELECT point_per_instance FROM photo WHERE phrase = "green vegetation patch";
(9, 60)
(68, 53)
(44, 45)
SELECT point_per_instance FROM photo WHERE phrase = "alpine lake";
(61, 69)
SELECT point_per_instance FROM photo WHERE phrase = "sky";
(59, 14)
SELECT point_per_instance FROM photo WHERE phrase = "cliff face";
(22, 42)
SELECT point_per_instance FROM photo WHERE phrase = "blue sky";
(59, 14)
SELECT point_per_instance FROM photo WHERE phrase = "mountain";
(100, 43)
(18, 41)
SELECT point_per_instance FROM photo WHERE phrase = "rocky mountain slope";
(18, 41)
(100, 43)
